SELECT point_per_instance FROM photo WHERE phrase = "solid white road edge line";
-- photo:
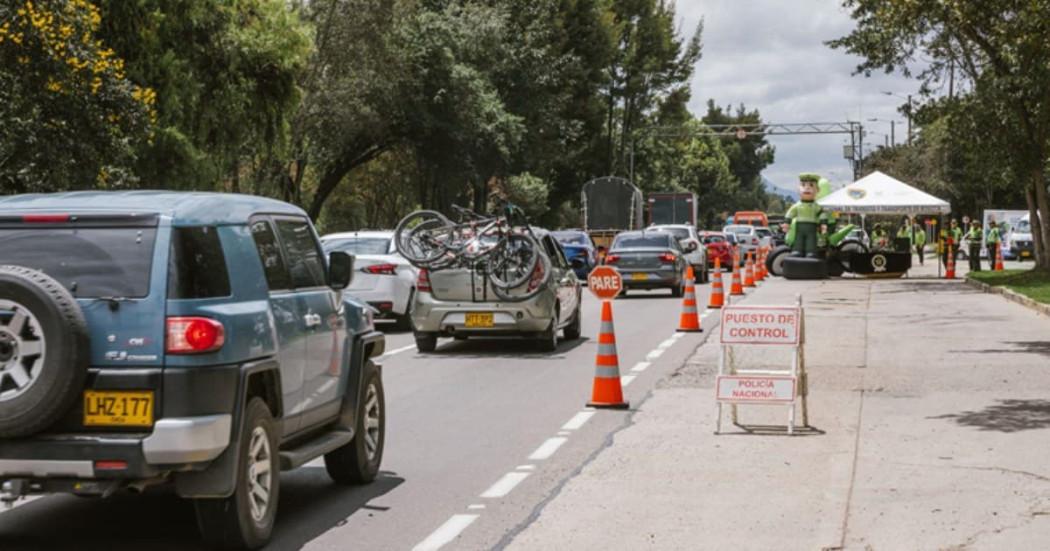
(397, 350)
(626, 379)
(578, 420)
(547, 448)
(667, 343)
(445, 533)
(504, 485)
(640, 366)
(677, 336)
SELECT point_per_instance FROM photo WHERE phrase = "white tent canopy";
(878, 193)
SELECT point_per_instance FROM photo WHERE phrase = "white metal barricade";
(762, 326)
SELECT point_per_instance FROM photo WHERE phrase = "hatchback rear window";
(89, 262)
(196, 266)
(678, 233)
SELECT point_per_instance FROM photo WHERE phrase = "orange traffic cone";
(718, 297)
(689, 322)
(998, 257)
(749, 272)
(949, 273)
(735, 287)
(762, 273)
(607, 391)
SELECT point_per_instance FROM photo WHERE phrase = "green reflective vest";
(920, 237)
(993, 235)
(974, 235)
(905, 233)
(806, 212)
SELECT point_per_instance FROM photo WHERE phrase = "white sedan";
(747, 238)
(384, 279)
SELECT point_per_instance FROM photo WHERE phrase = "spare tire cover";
(44, 351)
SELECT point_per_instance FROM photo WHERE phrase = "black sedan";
(648, 260)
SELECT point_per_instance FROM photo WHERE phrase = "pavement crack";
(1004, 470)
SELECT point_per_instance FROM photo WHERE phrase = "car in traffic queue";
(383, 278)
(649, 259)
(460, 303)
(577, 244)
(747, 236)
(1019, 244)
(718, 246)
(693, 249)
(200, 341)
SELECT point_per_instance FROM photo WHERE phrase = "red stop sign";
(604, 282)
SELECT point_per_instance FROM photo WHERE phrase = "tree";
(70, 117)
(225, 76)
(1000, 48)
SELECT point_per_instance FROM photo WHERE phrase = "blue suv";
(202, 340)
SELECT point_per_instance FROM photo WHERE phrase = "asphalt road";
(479, 435)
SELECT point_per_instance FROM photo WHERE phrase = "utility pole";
(909, 119)
(893, 137)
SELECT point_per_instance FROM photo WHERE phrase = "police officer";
(992, 239)
(920, 241)
(974, 237)
(905, 232)
(879, 237)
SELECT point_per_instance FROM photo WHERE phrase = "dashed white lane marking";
(655, 354)
(476, 506)
(445, 533)
(626, 379)
(677, 336)
(667, 343)
(578, 420)
(704, 315)
(504, 485)
(525, 468)
(564, 433)
(397, 350)
(640, 366)
(547, 448)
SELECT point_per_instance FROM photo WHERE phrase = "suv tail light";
(667, 258)
(194, 335)
(423, 281)
(45, 218)
(380, 269)
(612, 258)
(537, 276)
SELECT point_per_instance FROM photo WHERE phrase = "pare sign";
(761, 325)
(604, 282)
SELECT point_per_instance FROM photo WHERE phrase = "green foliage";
(1033, 284)
(526, 191)
(70, 118)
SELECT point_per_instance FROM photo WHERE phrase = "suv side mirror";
(340, 270)
(691, 246)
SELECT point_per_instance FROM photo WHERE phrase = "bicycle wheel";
(529, 288)
(423, 237)
(513, 261)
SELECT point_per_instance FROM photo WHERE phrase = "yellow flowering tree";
(69, 116)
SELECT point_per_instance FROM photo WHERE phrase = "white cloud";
(770, 55)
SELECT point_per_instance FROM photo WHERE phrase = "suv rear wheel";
(426, 342)
(245, 519)
(358, 462)
(43, 351)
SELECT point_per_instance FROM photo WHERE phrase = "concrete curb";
(1011, 295)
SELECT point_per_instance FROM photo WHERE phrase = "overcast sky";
(769, 54)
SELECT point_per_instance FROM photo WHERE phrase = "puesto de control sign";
(761, 325)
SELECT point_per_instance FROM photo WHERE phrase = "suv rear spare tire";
(43, 351)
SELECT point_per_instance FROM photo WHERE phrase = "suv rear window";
(678, 233)
(359, 245)
(90, 262)
(196, 266)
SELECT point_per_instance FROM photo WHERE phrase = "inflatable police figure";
(806, 216)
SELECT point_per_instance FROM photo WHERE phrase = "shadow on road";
(1022, 347)
(1006, 416)
(311, 504)
(503, 347)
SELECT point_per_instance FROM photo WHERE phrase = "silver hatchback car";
(460, 303)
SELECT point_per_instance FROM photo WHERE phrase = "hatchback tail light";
(45, 218)
(380, 269)
(423, 281)
(612, 258)
(194, 335)
(537, 276)
(667, 258)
